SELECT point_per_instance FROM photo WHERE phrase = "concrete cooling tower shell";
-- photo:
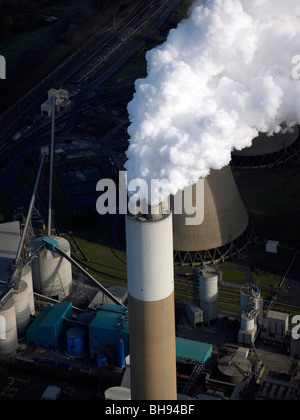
(9, 334)
(267, 152)
(225, 230)
(51, 273)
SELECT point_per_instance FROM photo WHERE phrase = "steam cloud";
(222, 76)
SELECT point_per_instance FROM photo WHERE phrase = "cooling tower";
(22, 308)
(150, 275)
(225, 230)
(9, 335)
(267, 152)
(51, 273)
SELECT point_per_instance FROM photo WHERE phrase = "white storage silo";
(208, 293)
(27, 277)
(247, 321)
(52, 273)
(22, 308)
(9, 335)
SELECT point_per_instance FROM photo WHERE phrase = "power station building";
(109, 334)
(48, 329)
(225, 230)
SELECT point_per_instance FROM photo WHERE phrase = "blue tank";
(76, 341)
(122, 361)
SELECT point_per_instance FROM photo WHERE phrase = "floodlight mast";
(51, 169)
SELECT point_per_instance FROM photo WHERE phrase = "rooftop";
(50, 315)
(278, 315)
(193, 350)
(109, 317)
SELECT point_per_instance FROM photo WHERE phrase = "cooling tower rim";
(267, 160)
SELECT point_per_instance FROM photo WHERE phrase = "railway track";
(96, 46)
(102, 49)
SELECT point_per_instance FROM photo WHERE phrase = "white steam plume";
(222, 76)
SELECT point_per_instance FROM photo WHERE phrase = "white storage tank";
(22, 308)
(208, 292)
(8, 323)
(52, 273)
(247, 321)
(27, 277)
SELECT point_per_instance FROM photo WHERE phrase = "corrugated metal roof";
(50, 315)
(109, 316)
(9, 242)
(193, 350)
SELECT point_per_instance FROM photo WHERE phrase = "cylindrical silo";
(150, 274)
(52, 273)
(247, 321)
(235, 368)
(76, 341)
(8, 322)
(22, 308)
(208, 293)
(27, 277)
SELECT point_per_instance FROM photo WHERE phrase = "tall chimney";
(150, 274)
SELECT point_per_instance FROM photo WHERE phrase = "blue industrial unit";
(76, 341)
(51, 243)
(109, 334)
(48, 330)
(193, 350)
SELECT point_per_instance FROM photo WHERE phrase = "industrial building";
(275, 329)
(225, 230)
(193, 351)
(109, 334)
(48, 328)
